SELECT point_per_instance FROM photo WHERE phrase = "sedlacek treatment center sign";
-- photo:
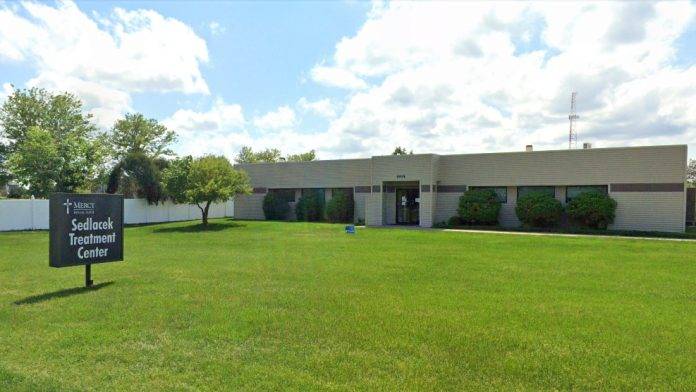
(85, 229)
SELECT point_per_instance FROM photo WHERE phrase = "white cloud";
(5, 92)
(281, 118)
(103, 59)
(322, 107)
(218, 130)
(337, 77)
(462, 77)
(216, 28)
(220, 118)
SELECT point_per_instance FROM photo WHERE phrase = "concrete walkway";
(569, 235)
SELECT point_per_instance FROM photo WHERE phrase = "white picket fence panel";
(32, 214)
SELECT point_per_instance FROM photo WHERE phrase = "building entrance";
(407, 206)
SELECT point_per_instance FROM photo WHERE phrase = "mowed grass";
(267, 306)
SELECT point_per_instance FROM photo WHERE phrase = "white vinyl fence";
(30, 214)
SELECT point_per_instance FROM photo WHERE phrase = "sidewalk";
(569, 235)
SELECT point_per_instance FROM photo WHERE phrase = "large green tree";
(138, 145)
(49, 134)
(691, 173)
(209, 179)
(136, 134)
(4, 170)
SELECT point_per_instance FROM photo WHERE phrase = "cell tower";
(572, 133)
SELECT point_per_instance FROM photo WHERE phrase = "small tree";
(401, 151)
(691, 173)
(592, 209)
(248, 155)
(340, 208)
(310, 207)
(479, 206)
(210, 179)
(274, 207)
(539, 209)
(302, 157)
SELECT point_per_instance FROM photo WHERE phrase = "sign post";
(85, 229)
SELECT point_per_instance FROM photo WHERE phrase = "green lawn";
(262, 305)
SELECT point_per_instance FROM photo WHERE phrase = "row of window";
(571, 191)
(288, 195)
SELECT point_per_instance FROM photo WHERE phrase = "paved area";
(569, 235)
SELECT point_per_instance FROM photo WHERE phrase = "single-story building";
(648, 183)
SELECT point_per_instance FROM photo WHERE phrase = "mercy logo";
(79, 207)
(67, 205)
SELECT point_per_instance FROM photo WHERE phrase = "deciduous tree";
(302, 157)
(136, 134)
(49, 134)
(247, 155)
(401, 151)
(210, 179)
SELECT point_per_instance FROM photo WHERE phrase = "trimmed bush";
(594, 210)
(339, 208)
(310, 207)
(479, 207)
(274, 207)
(454, 221)
(539, 209)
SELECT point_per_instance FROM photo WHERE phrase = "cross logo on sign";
(67, 205)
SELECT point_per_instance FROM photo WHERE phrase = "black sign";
(85, 229)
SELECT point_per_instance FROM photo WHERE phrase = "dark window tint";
(346, 191)
(525, 190)
(317, 191)
(573, 191)
(287, 195)
(501, 191)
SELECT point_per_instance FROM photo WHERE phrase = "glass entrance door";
(407, 206)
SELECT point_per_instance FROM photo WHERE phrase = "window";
(501, 191)
(573, 191)
(524, 190)
(287, 195)
(346, 191)
(318, 191)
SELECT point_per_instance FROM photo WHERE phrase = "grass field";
(263, 305)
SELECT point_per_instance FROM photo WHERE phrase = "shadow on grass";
(198, 228)
(61, 293)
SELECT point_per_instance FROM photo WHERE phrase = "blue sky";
(262, 54)
(353, 79)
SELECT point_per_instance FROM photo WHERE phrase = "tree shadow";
(198, 228)
(61, 293)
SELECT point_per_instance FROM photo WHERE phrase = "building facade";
(648, 183)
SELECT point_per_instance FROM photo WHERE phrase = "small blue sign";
(350, 229)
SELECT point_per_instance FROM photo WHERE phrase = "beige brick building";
(648, 183)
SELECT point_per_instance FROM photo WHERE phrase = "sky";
(355, 79)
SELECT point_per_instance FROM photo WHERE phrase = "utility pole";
(572, 133)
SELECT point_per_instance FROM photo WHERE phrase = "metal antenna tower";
(572, 133)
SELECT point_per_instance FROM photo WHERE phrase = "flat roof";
(572, 151)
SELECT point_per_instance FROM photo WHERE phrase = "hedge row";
(537, 209)
(310, 207)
